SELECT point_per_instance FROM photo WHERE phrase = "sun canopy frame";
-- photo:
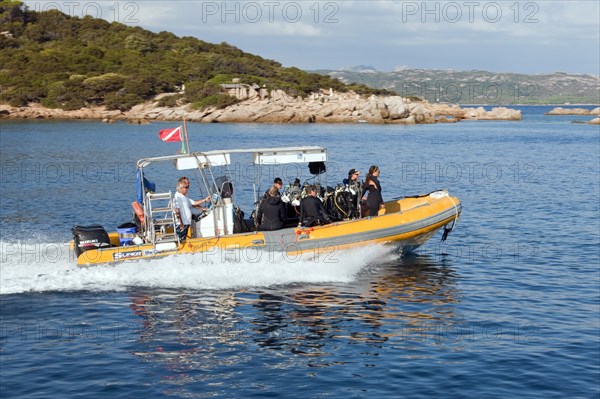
(260, 156)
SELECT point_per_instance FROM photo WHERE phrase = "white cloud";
(374, 32)
(266, 29)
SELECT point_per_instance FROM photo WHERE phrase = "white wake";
(40, 267)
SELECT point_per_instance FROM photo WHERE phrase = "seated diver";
(271, 212)
(312, 212)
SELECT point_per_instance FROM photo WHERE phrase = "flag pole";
(187, 141)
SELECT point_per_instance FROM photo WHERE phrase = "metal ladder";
(160, 219)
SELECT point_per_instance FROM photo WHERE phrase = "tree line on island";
(69, 62)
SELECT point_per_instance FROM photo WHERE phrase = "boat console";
(217, 221)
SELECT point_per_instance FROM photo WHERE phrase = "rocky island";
(278, 107)
(573, 111)
(577, 111)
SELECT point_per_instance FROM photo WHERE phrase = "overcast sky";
(503, 36)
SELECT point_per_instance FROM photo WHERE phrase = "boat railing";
(160, 221)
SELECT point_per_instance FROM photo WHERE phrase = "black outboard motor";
(89, 237)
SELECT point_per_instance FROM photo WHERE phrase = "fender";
(139, 212)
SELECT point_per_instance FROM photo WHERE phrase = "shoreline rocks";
(573, 111)
(578, 111)
(278, 107)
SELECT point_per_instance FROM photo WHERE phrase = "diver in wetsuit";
(373, 190)
(271, 212)
(356, 190)
(312, 212)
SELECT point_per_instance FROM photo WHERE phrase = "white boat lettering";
(124, 255)
(88, 242)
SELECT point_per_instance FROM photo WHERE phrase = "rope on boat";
(447, 230)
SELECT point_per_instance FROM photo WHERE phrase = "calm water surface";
(509, 306)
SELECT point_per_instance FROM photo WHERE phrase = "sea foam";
(42, 267)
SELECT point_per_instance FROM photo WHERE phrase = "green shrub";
(109, 82)
(171, 101)
(122, 102)
(197, 90)
(69, 95)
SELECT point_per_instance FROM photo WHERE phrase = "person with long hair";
(372, 189)
(355, 187)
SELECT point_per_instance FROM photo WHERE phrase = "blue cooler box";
(126, 234)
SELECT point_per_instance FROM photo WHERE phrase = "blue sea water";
(509, 306)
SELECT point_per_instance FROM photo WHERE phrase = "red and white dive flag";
(170, 134)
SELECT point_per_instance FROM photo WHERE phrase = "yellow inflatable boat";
(406, 222)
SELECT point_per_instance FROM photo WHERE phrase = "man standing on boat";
(183, 207)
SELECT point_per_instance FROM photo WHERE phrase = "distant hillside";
(478, 87)
(70, 62)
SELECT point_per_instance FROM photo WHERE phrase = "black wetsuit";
(266, 194)
(271, 214)
(312, 212)
(374, 200)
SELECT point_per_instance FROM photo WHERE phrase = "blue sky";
(503, 36)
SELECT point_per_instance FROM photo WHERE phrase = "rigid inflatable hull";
(407, 223)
